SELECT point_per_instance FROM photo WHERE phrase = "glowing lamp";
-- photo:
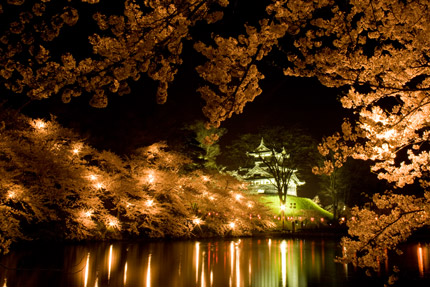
(113, 222)
(98, 185)
(39, 124)
(232, 225)
(238, 197)
(322, 219)
(197, 221)
(149, 202)
(11, 194)
(312, 219)
(283, 207)
(151, 178)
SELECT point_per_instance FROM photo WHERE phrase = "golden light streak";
(87, 266)
(5, 282)
(125, 273)
(197, 260)
(231, 261)
(250, 271)
(110, 261)
(237, 267)
(148, 272)
(420, 261)
(284, 262)
(345, 265)
(202, 275)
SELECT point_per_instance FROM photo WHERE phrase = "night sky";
(135, 120)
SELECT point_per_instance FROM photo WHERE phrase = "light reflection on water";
(233, 263)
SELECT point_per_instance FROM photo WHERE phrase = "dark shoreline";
(329, 233)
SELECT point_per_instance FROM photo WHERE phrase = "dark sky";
(136, 120)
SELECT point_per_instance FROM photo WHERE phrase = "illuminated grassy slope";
(304, 207)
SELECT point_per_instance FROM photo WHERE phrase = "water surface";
(238, 262)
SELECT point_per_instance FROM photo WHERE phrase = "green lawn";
(296, 207)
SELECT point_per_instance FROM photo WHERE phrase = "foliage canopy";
(375, 52)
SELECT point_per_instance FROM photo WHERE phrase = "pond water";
(237, 262)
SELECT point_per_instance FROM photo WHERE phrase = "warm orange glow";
(284, 246)
(125, 273)
(87, 213)
(110, 261)
(77, 148)
(98, 185)
(148, 272)
(232, 225)
(87, 266)
(11, 194)
(238, 197)
(197, 221)
(39, 124)
(113, 222)
(151, 178)
(149, 202)
(420, 261)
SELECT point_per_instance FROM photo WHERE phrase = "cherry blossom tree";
(146, 38)
(375, 52)
(55, 186)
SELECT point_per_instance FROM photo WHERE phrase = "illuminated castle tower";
(261, 180)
